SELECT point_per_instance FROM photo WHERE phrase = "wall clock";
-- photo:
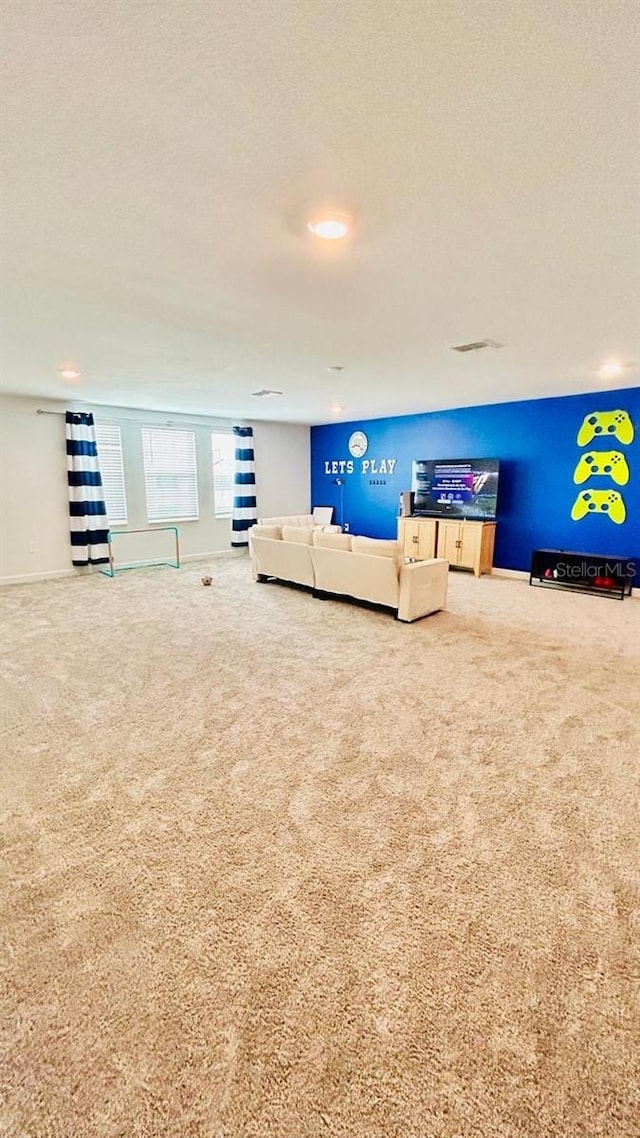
(358, 444)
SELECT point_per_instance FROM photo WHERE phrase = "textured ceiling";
(162, 156)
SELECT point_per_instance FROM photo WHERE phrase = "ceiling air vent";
(265, 393)
(476, 345)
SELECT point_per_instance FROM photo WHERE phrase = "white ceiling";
(163, 155)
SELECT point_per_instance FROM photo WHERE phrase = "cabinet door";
(470, 543)
(448, 541)
(409, 535)
(427, 539)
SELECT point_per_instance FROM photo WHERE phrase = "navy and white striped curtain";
(244, 488)
(87, 510)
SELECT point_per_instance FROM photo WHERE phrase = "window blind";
(170, 474)
(223, 458)
(109, 445)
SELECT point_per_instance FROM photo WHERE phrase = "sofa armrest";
(423, 588)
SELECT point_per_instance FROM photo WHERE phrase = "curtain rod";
(126, 419)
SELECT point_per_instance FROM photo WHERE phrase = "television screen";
(457, 488)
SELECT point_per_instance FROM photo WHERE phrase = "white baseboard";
(52, 574)
(81, 571)
(33, 578)
(215, 553)
(519, 574)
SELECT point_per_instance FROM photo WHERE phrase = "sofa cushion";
(301, 534)
(274, 532)
(376, 547)
(332, 540)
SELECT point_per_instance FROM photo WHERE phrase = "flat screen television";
(456, 488)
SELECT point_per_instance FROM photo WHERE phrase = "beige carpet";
(280, 868)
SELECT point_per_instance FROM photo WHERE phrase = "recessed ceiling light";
(330, 226)
(335, 367)
(69, 374)
(611, 369)
(336, 408)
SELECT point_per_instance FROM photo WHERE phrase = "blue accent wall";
(536, 442)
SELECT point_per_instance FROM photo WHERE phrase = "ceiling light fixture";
(476, 345)
(337, 409)
(266, 393)
(69, 374)
(335, 367)
(611, 369)
(330, 226)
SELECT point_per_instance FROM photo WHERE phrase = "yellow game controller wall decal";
(599, 502)
(606, 425)
(611, 464)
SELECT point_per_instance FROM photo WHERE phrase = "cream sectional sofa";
(340, 564)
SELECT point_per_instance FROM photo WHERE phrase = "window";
(223, 450)
(112, 471)
(170, 475)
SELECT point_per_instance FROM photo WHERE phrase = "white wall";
(34, 512)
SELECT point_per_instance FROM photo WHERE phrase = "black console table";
(595, 573)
